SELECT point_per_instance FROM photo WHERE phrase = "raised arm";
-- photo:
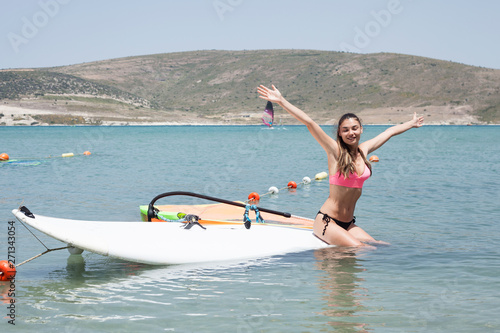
(273, 95)
(375, 143)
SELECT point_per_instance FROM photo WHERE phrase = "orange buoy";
(7, 271)
(374, 158)
(86, 153)
(254, 196)
(292, 184)
(4, 157)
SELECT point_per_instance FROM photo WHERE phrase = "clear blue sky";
(45, 33)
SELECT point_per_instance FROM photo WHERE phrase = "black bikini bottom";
(327, 219)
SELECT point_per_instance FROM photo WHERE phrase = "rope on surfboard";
(41, 254)
(192, 220)
(258, 217)
(152, 210)
(27, 212)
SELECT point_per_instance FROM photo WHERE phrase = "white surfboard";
(171, 243)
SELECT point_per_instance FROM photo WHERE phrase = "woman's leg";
(362, 235)
(359, 233)
(333, 235)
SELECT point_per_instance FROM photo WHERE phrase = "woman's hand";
(273, 95)
(417, 121)
(375, 143)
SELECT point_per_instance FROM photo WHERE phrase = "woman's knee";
(359, 234)
(335, 235)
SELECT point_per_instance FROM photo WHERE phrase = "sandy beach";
(22, 113)
(23, 116)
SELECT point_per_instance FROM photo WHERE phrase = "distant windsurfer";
(268, 115)
(348, 167)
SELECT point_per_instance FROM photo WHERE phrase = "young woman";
(348, 168)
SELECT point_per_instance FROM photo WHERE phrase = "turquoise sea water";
(434, 196)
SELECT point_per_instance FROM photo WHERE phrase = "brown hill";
(220, 87)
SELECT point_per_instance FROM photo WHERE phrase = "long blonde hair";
(345, 162)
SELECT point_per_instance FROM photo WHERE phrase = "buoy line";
(254, 196)
(5, 157)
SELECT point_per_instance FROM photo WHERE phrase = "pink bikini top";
(354, 180)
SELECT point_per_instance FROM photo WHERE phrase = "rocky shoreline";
(22, 116)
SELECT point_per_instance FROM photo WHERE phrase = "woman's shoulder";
(364, 147)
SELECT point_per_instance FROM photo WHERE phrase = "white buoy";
(273, 190)
(306, 180)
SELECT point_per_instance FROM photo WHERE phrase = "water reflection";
(77, 272)
(341, 288)
(6, 291)
(75, 268)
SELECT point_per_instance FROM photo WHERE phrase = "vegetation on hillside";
(38, 83)
(211, 83)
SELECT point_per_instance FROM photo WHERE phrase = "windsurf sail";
(268, 115)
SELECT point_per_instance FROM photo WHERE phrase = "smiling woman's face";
(350, 131)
